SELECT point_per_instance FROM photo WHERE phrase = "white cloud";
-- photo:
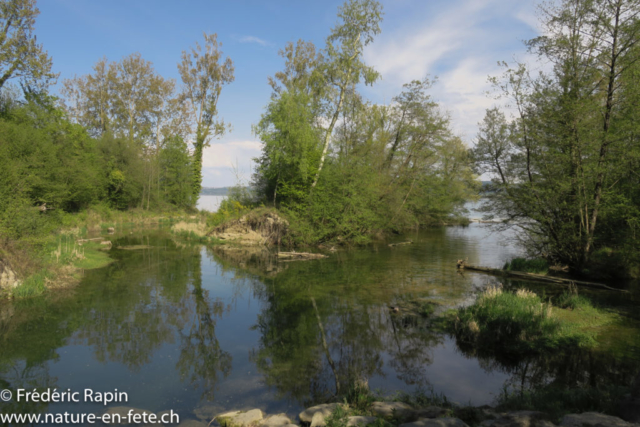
(224, 162)
(230, 154)
(252, 39)
(461, 45)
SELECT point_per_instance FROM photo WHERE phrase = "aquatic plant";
(516, 322)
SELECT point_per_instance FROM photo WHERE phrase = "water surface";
(184, 327)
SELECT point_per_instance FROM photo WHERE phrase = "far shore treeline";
(563, 150)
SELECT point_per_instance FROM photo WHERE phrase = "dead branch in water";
(299, 256)
(537, 277)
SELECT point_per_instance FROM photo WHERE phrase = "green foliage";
(536, 265)
(573, 301)
(20, 54)
(291, 149)
(229, 209)
(565, 167)
(33, 286)
(517, 323)
(175, 172)
(338, 418)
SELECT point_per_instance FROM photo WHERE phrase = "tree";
(563, 161)
(342, 67)
(20, 55)
(204, 72)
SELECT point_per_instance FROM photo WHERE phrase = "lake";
(209, 203)
(210, 329)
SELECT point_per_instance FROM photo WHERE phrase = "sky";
(459, 42)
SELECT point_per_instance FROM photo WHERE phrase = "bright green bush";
(516, 322)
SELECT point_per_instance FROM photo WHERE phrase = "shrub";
(517, 322)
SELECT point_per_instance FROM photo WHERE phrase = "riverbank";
(419, 410)
(57, 255)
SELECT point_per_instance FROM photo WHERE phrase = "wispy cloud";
(252, 39)
(223, 159)
(461, 45)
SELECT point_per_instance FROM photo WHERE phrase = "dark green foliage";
(338, 418)
(175, 172)
(565, 167)
(572, 301)
(536, 265)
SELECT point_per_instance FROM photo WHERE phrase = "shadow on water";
(178, 327)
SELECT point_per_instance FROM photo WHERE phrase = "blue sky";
(459, 41)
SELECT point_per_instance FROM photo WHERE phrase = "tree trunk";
(327, 137)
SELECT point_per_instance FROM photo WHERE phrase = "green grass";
(535, 265)
(338, 418)
(520, 323)
(33, 285)
(93, 256)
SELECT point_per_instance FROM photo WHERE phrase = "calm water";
(209, 203)
(186, 327)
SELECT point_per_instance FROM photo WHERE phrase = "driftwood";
(536, 277)
(393, 245)
(299, 256)
(81, 241)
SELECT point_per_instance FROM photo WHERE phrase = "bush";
(517, 322)
(573, 301)
(535, 265)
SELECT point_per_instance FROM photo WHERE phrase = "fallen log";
(81, 241)
(393, 245)
(538, 277)
(299, 256)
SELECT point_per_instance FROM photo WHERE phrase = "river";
(184, 327)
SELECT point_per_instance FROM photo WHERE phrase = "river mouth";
(183, 327)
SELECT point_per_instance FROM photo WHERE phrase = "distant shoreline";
(213, 191)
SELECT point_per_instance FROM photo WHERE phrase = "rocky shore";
(389, 413)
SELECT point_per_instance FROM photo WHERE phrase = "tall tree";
(204, 72)
(570, 139)
(20, 55)
(342, 67)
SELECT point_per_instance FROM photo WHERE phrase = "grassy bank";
(521, 322)
(53, 248)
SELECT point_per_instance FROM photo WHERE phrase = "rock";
(437, 422)
(326, 409)
(111, 230)
(276, 421)
(123, 412)
(8, 278)
(398, 410)
(430, 412)
(106, 243)
(192, 423)
(319, 419)
(593, 419)
(519, 419)
(240, 418)
(360, 421)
